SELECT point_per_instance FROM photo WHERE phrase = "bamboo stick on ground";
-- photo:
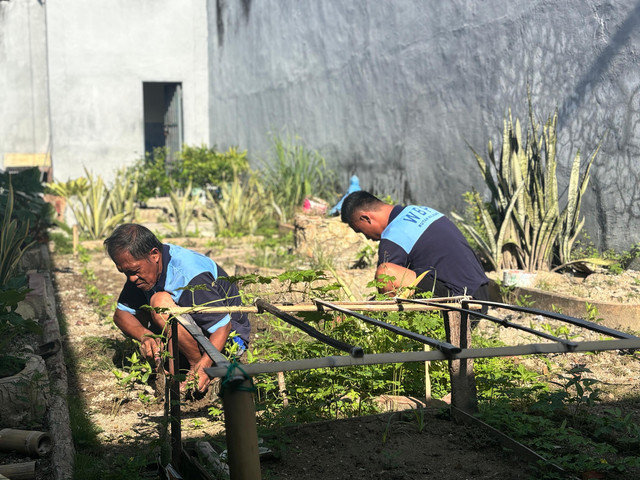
(19, 471)
(28, 442)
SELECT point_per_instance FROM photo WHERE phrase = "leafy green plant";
(199, 166)
(523, 225)
(152, 171)
(203, 166)
(12, 324)
(293, 173)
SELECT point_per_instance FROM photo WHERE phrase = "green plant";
(203, 166)
(28, 203)
(123, 194)
(524, 300)
(12, 240)
(593, 315)
(523, 225)
(12, 323)
(182, 210)
(94, 208)
(240, 207)
(293, 173)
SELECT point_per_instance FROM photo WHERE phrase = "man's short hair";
(136, 239)
(358, 201)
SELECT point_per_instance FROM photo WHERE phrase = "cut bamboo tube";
(242, 433)
(212, 458)
(27, 442)
(19, 471)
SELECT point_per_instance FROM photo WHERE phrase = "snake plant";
(524, 226)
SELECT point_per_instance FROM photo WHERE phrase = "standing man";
(157, 275)
(415, 240)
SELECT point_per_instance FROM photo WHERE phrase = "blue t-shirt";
(182, 267)
(423, 239)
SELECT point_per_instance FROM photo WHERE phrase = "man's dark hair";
(357, 201)
(136, 239)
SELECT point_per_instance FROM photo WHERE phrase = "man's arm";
(131, 326)
(394, 277)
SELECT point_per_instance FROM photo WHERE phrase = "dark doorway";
(163, 117)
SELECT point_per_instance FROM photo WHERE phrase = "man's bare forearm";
(130, 325)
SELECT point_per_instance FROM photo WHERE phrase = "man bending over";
(156, 275)
(415, 240)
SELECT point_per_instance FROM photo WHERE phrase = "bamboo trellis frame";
(244, 462)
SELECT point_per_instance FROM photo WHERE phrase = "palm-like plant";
(240, 205)
(183, 206)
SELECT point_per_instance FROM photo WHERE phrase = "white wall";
(24, 108)
(100, 54)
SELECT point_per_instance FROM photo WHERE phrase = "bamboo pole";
(174, 398)
(242, 433)
(372, 306)
(27, 442)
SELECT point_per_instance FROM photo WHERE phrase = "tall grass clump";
(293, 172)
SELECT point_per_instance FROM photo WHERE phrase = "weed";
(524, 301)
(592, 313)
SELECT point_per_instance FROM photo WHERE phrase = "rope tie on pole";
(234, 381)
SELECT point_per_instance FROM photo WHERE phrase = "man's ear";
(154, 254)
(365, 218)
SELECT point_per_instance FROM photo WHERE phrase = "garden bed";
(122, 427)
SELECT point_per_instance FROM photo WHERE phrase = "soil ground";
(369, 447)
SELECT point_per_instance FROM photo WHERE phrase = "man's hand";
(150, 348)
(197, 374)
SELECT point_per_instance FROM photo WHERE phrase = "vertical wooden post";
(242, 433)
(427, 378)
(174, 398)
(463, 380)
(76, 239)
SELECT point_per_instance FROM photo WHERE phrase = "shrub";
(198, 166)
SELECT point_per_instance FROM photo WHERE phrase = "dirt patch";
(403, 447)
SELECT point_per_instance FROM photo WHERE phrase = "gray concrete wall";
(24, 109)
(100, 53)
(391, 90)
